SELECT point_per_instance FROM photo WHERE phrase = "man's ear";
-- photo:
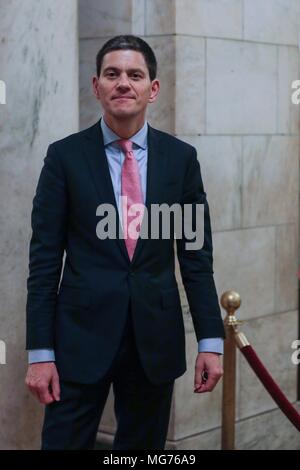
(154, 90)
(95, 87)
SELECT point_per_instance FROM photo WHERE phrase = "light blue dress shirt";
(115, 158)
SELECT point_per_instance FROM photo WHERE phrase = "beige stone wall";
(226, 68)
(249, 153)
(39, 64)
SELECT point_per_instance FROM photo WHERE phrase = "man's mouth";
(123, 98)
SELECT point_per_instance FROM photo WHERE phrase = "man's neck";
(124, 128)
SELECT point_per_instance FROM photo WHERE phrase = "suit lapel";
(99, 169)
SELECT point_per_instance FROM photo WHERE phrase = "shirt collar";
(109, 136)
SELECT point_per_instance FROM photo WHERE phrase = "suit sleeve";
(48, 222)
(196, 265)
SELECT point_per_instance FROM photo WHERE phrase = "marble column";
(39, 66)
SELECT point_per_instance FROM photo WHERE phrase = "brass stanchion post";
(230, 301)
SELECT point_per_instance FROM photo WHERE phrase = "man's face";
(124, 87)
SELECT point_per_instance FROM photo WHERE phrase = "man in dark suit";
(115, 317)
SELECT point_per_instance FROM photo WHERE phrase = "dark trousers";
(142, 409)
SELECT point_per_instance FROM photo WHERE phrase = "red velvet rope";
(273, 389)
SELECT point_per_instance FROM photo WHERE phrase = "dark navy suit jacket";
(83, 317)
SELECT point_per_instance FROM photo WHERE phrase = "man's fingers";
(201, 376)
(199, 371)
(55, 387)
(45, 396)
(209, 385)
(34, 391)
(208, 370)
(43, 382)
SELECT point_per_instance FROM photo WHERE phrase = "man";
(117, 317)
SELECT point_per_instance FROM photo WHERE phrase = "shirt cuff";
(215, 345)
(41, 355)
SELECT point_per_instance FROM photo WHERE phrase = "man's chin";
(123, 114)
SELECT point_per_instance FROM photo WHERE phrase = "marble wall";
(226, 68)
(39, 65)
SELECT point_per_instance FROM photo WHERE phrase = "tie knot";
(126, 145)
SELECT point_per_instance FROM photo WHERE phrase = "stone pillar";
(39, 65)
(226, 69)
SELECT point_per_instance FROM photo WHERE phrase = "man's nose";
(123, 81)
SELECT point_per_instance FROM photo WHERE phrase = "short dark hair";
(128, 42)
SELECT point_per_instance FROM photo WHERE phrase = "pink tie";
(131, 188)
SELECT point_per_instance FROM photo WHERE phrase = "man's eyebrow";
(118, 70)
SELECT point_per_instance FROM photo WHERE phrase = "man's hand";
(43, 382)
(208, 370)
